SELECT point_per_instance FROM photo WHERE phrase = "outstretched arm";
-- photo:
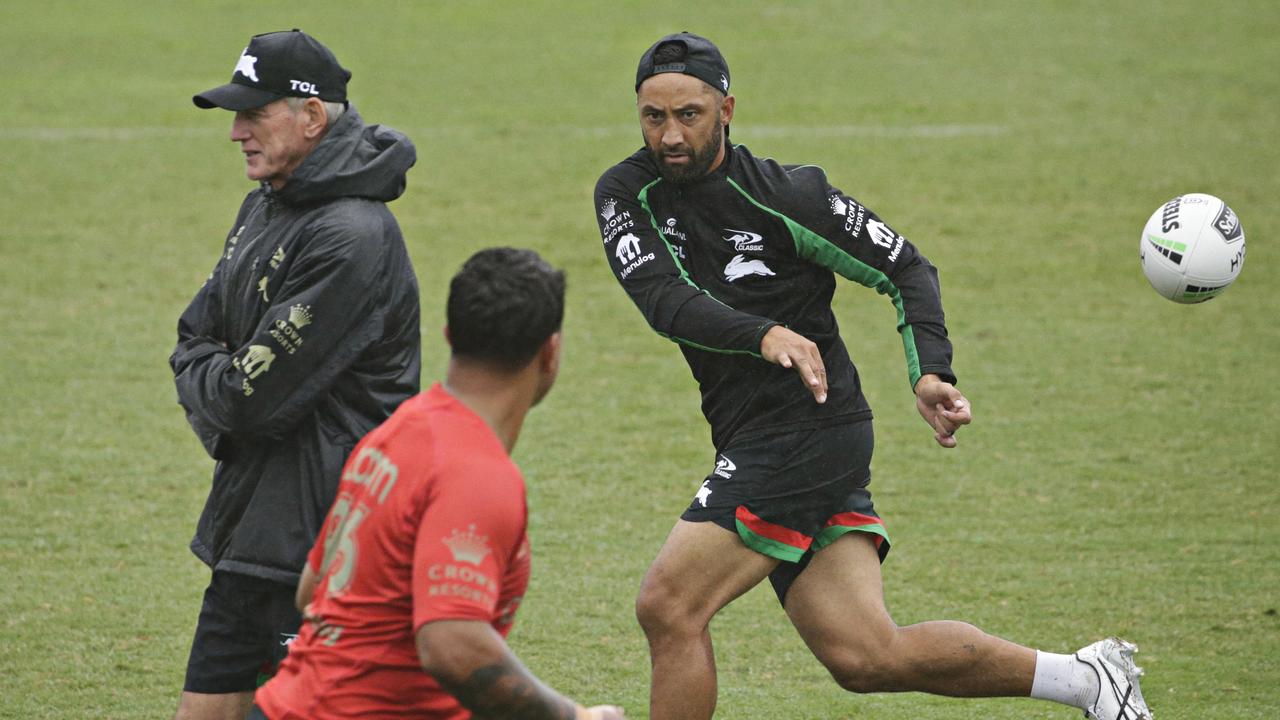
(849, 239)
(473, 663)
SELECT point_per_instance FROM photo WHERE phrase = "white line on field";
(63, 134)
(911, 131)
(127, 134)
(763, 131)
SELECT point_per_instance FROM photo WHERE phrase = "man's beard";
(699, 161)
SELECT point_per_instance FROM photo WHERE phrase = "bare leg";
(701, 568)
(837, 605)
(220, 706)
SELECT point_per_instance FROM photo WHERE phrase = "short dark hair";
(503, 305)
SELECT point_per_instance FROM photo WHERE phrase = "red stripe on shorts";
(856, 520)
(853, 519)
(777, 533)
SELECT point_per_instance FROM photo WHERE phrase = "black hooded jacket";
(303, 339)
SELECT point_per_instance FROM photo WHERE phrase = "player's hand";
(601, 712)
(943, 407)
(781, 346)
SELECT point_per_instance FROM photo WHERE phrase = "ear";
(549, 354)
(726, 109)
(447, 339)
(315, 119)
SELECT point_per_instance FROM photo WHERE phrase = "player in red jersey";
(413, 585)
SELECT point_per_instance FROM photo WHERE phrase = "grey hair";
(332, 110)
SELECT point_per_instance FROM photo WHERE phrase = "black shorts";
(244, 631)
(789, 495)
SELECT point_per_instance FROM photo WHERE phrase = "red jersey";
(429, 524)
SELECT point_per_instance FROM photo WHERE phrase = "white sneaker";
(1119, 697)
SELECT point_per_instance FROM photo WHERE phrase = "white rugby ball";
(1192, 248)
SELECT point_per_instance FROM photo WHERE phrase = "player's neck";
(502, 400)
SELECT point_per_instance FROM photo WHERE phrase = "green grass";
(1121, 473)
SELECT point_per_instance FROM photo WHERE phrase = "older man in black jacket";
(304, 337)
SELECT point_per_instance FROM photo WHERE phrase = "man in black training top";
(735, 258)
(304, 338)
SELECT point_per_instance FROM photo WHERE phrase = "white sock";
(1062, 678)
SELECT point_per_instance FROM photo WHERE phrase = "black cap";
(696, 56)
(276, 65)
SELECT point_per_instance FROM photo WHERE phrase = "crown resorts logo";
(467, 547)
(838, 206)
(300, 316)
(244, 66)
(609, 209)
(724, 82)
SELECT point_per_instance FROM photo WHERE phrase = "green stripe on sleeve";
(812, 246)
(643, 197)
(696, 346)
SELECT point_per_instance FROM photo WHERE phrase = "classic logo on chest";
(744, 240)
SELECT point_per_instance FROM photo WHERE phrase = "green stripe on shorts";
(769, 546)
(834, 532)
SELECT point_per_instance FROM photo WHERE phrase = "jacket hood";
(352, 160)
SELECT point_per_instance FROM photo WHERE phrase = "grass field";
(1120, 476)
